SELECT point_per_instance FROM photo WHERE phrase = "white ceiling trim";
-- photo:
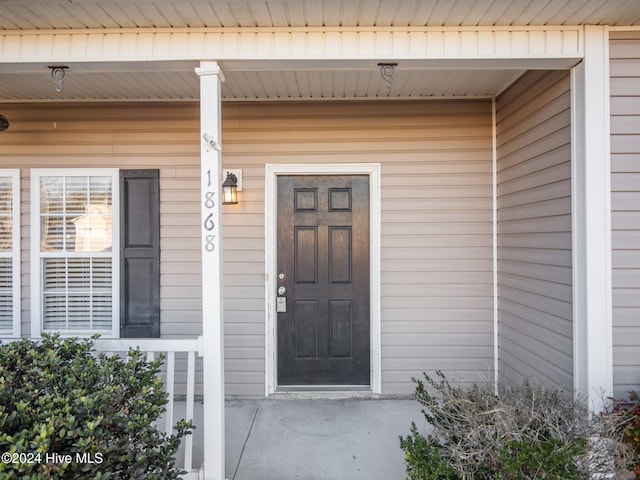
(291, 44)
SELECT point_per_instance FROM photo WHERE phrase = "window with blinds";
(9, 252)
(76, 245)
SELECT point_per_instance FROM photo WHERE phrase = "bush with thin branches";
(524, 431)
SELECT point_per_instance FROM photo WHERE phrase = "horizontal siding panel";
(624, 105)
(625, 182)
(534, 229)
(627, 356)
(559, 326)
(414, 267)
(625, 221)
(435, 302)
(434, 327)
(627, 124)
(538, 210)
(454, 253)
(399, 342)
(236, 353)
(626, 297)
(535, 125)
(536, 256)
(528, 87)
(547, 176)
(436, 212)
(547, 273)
(624, 70)
(627, 87)
(627, 337)
(513, 167)
(422, 318)
(437, 290)
(431, 226)
(525, 336)
(468, 278)
(542, 193)
(624, 144)
(535, 147)
(443, 217)
(626, 278)
(626, 201)
(529, 365)
(552, 306)
(411, 240)
(552, 240)
(625, 259)
(534, 224)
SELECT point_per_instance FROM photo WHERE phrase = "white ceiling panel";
(62, 14)
(282, 80)
(178, 81)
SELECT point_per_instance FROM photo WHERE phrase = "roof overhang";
(280, 63)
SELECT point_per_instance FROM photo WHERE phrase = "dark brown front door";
(323, 280)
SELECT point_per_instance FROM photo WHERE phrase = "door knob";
(282, 291)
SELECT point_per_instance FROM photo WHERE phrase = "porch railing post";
(211, 226)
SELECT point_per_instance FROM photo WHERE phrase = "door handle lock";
(281, 291)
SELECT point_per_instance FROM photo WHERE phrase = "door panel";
(323, 265)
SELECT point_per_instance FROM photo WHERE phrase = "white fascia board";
(379, 44)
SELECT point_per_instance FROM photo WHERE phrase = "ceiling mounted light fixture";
(57, 74)
(4, 123)
(387, 72)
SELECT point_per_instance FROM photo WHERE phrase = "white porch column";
(212, 320)
(592, 310)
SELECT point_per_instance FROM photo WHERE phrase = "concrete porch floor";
(300, 439)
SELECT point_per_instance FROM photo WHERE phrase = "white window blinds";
(76, 251)
(9, 252)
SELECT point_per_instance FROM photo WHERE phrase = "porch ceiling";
(63, 14)
(288, 80)
(284, 81)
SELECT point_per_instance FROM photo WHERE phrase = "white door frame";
(272, 171)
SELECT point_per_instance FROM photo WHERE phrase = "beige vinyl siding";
(534, 229)
(436, 227)
(436, 214)
(624, 51)
(163, 136)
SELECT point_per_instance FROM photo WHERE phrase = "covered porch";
(486, 74)
(288, 435)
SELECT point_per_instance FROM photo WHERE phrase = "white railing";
(169, 348)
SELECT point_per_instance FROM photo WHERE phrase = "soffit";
(80, 14)
(178, 81)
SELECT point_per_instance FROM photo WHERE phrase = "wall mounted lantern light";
(230, 190)
(4, 123)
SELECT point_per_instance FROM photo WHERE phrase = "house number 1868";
(209, 225)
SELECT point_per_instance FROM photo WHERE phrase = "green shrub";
(526, 431)
(423, 460)
(66, 412)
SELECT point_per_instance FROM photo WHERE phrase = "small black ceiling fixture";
(4, 123)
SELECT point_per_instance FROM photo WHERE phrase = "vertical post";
(212, 321)
(591, 172)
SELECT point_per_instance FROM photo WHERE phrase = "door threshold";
(323, 392)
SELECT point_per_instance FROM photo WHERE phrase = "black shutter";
(139, 253)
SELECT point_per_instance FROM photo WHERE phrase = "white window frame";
(36, 255)
(14, 174)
